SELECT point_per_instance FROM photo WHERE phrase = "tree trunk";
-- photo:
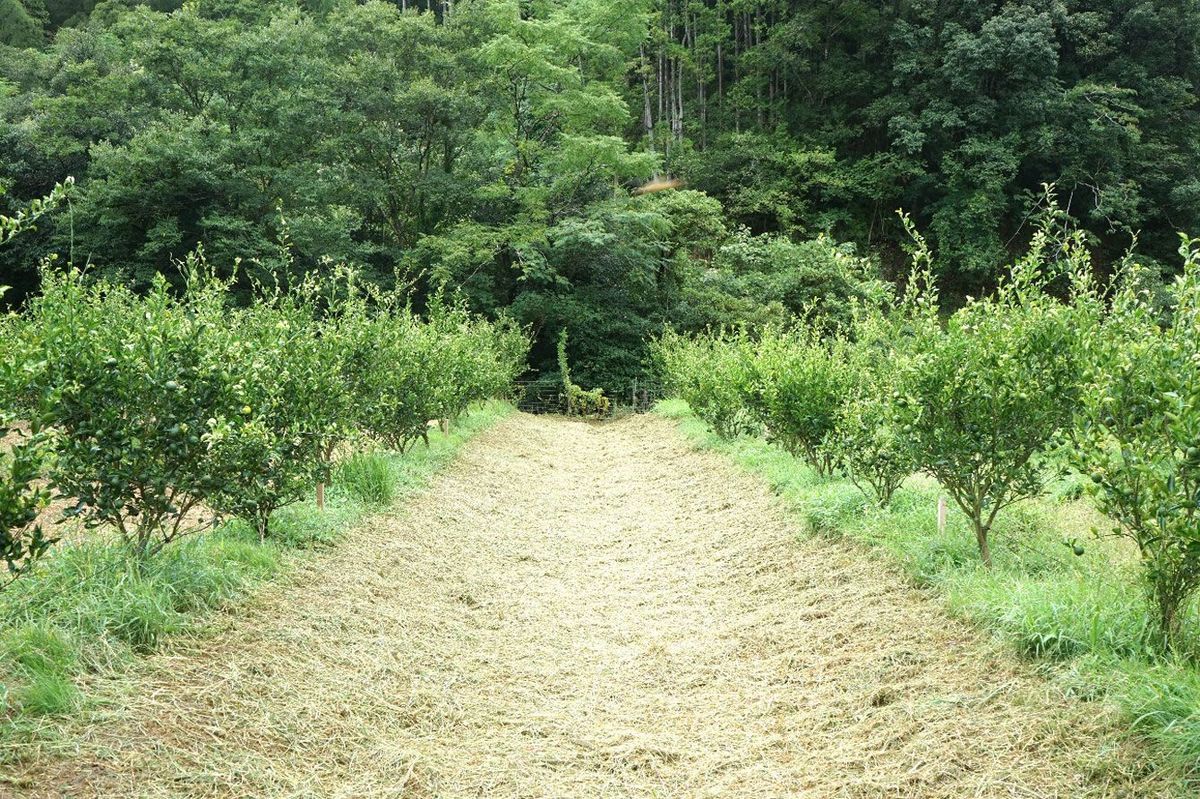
(678, 99)
(1168, 622)
(756, 40)
(647, 113)
(720, 75)
(1166, 595)
(659, 75)
(981, 537)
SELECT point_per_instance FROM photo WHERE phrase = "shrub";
(801, 384)
(713, 373)
(24, 457)
(289, 408)
(981, 399)
(1138, 436)
(758, 279)
(132, 386)
(451, 367)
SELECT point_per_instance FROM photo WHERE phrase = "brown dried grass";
(577, 610)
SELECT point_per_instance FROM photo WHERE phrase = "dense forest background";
(496, 147)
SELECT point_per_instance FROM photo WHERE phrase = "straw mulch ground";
(583, 611)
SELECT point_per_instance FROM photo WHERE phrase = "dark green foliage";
(23, 495)
(812, 117)
(377, 129)
(493, 150)
(18, 27)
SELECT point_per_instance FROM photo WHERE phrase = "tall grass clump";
(367, 477)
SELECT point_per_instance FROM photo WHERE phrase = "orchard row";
(1051, 372)
(156, 414)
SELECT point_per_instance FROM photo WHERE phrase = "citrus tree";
(401, 372)
(714, 374)
(289, 408)
(23, 496)
(24, 457)
(802, 382)
(24, 454)
(1138, 436)
(133, 386)
(870, 446)
(396, 384)
(981, 398)
(474, 359)
(505, 348)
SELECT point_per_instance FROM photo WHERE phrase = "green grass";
(1083, 617)
(88, 609)
(368, 477)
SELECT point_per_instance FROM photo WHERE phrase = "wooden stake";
(941, 515)
(320, 496)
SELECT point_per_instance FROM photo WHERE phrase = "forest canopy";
(494, 147)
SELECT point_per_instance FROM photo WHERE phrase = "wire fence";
(533, 396)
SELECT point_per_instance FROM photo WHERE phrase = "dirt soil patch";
(580, 611)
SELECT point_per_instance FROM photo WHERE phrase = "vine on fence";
(590, 403)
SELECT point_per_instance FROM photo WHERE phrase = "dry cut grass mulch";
(583, 611)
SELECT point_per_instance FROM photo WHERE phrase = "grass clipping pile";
(590, 611)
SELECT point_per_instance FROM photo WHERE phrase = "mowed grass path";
(577, 610)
